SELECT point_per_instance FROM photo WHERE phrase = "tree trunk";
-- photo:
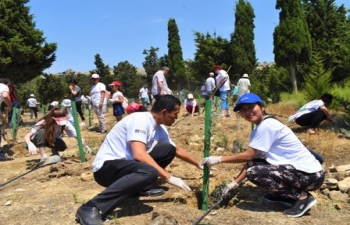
(292, 70)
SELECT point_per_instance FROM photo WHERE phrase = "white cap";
(245, 75)
(32, 95)
(95, 76)
(211, 74)
(54, 103)
(66, 103)
(190, 96)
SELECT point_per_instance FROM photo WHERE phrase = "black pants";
(79, 110)
(312, 119)
(39, 140)
(124, 178)
(33, 110)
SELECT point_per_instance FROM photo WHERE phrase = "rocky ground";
(52, 194)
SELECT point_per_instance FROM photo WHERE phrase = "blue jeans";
(224, 101)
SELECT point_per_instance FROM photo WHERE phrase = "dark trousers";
(39, 140)
(33, 110)
(124, 178)
(79, 110)
(155, 97)
(312, 119)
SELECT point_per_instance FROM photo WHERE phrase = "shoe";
(3, 157)
(228, 115)
(276, 198)
(102, 132)
(87, 215)
(300, 207)
(82, 124)
(151, 192)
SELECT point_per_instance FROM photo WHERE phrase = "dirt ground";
(52, 194)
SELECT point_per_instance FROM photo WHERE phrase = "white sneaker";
(82, 124)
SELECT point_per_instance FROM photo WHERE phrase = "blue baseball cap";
(248, 98)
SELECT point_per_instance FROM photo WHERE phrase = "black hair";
(74, 81)
(327, 98)
(167, 102)
(4, 81)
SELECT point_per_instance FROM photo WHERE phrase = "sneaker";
(82, 124)
(276, 198)
(151, 192)
(300, 207)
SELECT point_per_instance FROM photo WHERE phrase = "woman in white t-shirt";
(117, 100)
(275, 159)
(191, 105)
(223, 84)
(313, 113)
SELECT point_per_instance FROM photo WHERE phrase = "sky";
(119, 30)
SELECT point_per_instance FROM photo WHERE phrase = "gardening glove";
(32, 148)
(229, 187)
(211, 160)
(178, 182)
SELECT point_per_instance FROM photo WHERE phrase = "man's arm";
(103, 93)
(140, 154)
(7, 100)
(185, 156)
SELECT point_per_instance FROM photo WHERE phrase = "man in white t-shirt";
(4, 97)
(97, 94)
(244, 84)
(134, 153)
(159, 84)
(143, 94)
(210, 85)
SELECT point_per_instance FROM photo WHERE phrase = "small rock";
(8, 203)
(19, 190)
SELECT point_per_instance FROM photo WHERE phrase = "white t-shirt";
(159, 77)
(95, 93)
(190, 103)
(281, 146)
(203, 90)
(144, 92)
(210, 83)
(3, 87)
(139, 126)
(243, 84)
(226, 85)
(116, 96)
(32, 102)
(307, 108)
(69, 129)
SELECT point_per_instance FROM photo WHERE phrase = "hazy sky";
(120, 30)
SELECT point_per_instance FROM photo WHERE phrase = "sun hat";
(32, 95)
(95, 76)
(115, 83)
(54, 103)
(211, 74)
(66, 103)
(190, 96)
(132, 107)
(62, 120)
(248, 98)
(245, 75)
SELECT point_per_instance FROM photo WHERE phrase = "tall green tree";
(291, 38)
(242, 40)
(24, 52)
(101, 69)
(329, 30)
(126, 73)
(151, 63)
(176, 77)
(49, 88)
(211, 50)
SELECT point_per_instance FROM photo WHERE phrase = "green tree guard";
(207, 132)
(43, 109)
(14, 123)
(199, 104)
(89, 112)
(77, 129)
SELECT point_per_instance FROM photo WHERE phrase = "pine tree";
(292, 41)
(242, 40)
(176, 77)
(24, 51)
(102, 69)
(151, 63)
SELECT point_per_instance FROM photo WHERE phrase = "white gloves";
(230, 186)
(178, 182)
(32, 148)
(211, 160)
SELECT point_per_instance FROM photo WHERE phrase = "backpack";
(125, 102)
